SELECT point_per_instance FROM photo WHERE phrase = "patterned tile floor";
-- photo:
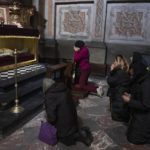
(93, 112)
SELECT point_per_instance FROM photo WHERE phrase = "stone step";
(9, 122)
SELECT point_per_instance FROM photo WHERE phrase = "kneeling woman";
(118, 80)
(139, 102)
(61, 112)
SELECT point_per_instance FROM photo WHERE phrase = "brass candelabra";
(16, 109)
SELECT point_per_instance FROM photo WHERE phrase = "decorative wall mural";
(127, 22)
(73, 21)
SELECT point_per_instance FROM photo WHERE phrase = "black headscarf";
(139, 65)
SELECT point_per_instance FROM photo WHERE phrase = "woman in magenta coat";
(81, 59)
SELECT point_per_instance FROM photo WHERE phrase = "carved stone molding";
(99, 18)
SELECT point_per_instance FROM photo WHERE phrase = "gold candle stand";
(16, 109)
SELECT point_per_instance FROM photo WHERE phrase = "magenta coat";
(82, 57)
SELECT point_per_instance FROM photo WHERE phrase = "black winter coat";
(139, 127)
(118, 81)
(61, 110)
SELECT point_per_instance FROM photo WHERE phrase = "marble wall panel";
(74, 21)
(128, 23)
(97, 55)
(93, 20)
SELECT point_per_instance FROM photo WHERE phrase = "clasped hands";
(114, 65)
(76, 49)
(126, 97)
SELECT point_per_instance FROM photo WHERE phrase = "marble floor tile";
(101, 141)
(93, 111)
(106, 122)
(135, 147)
(117, 134)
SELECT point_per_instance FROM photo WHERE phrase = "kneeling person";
(61, 112)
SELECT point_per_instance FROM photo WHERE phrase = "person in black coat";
(139, 102)
(118, 81)
(61, 112)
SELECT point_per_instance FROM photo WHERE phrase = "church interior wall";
(115, 26)
(108, 27)
(118, 25)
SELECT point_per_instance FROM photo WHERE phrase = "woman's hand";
(126, 97)
(112, 66)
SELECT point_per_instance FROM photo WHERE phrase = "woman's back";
(61, 110)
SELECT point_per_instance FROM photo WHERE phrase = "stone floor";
(93, 112)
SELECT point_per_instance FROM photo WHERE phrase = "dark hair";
(79, 44)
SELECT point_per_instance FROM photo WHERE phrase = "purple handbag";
(47, 133)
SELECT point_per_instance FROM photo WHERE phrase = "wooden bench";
(65, 74)
(54, 69)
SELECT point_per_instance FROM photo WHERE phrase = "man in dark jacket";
(139, 102)
(61, 112)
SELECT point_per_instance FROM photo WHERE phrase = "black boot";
(84, 135)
